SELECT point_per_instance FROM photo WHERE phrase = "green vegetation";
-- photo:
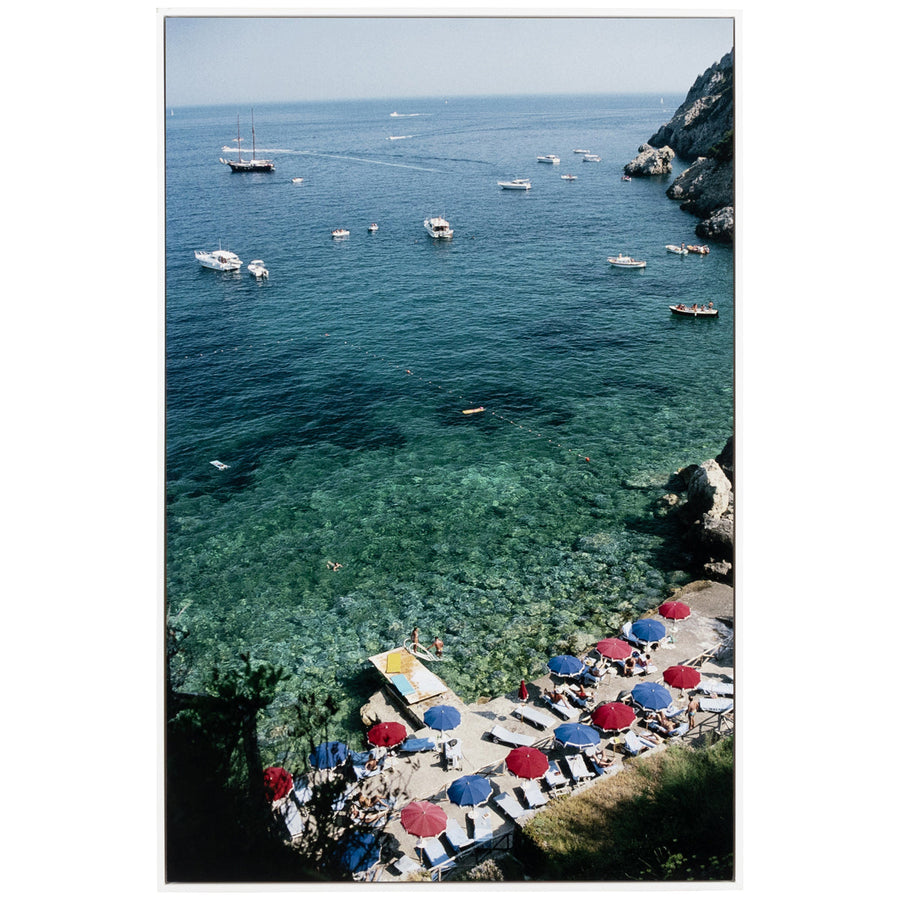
(668, 817)
(723, 151)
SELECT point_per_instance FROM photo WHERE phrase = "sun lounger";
(293, 820)
(563, 708)
(602, 770)
(534, 717)
(678, 731)
(553, 778)
(509, 805)
(416, 745)
(513, 738)
(716, 704)
(482, 831)
(574, 699)
(710, 686)
(634, 745)
(533, 796)
(405, 865)
(434, 854)
(456, 835)
(576, 765)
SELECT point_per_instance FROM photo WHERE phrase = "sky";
(221, 59)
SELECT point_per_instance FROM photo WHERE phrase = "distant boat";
(248, 165)
(626, 178)
(568, 177)
(373, 228)
(219, 465)
(674, 248)
(626, 262)
(701, 249)
(582, 151)
(549, 158)
(296, 181)
(439, 227)
(258, 268)
(696, 311)
(590, 157)
(221, 260)
(517, 184)
(340, 233)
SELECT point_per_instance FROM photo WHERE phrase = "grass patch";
(667, 817)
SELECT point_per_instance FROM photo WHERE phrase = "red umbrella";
(423, 819)
(523, 691)
(683, 677)
(613, 648)
(387, 734)
(674, 609)
(613, 716)
(278, 783)
(526, 762)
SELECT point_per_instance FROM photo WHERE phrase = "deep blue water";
(491, 530)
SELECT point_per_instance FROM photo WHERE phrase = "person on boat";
(709, 305)
(694, 307)
(438, 645)
(415, 639)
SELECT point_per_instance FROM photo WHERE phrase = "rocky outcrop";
(702, 496)
(651, 161)
(702, 132)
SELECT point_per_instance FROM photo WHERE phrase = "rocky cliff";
(701, 132)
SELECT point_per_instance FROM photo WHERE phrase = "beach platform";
(409, 679)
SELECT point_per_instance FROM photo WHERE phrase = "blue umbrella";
(565, 665)
(574, 734)
(469, 790)
(360, 853)
(328, 755)
(648, 630)
(442, 718)
(651, 695)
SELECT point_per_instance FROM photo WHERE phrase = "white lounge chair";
(482, 830)
(633, 744)
(534, 717)
(576, 765)
(563, 708)
(293, 820)
(456, 835)
(434, 854)
(513, 738)
(716, 704)
(710, 686)
(509, 805)
(554, 779)
(533, 795)
(405, 865)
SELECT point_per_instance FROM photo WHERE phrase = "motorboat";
(340, 233)
(626, 262)
(550, 158)
(626, 178)
(258, 268)
(582, 152)
(674, 248)
(438, 227)
(373, 228)
(517, 184)
(219, 465)
(697, 311)
(568, 177)
(221, 260)
(296, 181)
(694, 248)
(248, 165)
(590, 157)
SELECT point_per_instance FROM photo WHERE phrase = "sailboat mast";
(240, 158)
(253, 132)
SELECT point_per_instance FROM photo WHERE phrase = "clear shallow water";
(500, 538)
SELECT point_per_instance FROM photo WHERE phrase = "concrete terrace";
(704, 640)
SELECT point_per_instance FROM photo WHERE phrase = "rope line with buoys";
(470, 411)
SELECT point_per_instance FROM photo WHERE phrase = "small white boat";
(550, 158)
(626, 178)
(340, 233)
(258, 268)
(373, 228)
(626, 262)
(702, 249)
(219, 465)
(696, 311)
(568, 177)
(591, 157)
(582, 152)
(517, 184)
(222, 260)
(674, 248)
(296, 181)
(438, 227)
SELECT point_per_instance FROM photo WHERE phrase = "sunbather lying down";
(600, 758)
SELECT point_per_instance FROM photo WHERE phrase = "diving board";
(408, 675)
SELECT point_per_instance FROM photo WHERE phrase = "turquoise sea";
(334, 390)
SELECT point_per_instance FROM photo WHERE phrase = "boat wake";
(374, 162)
